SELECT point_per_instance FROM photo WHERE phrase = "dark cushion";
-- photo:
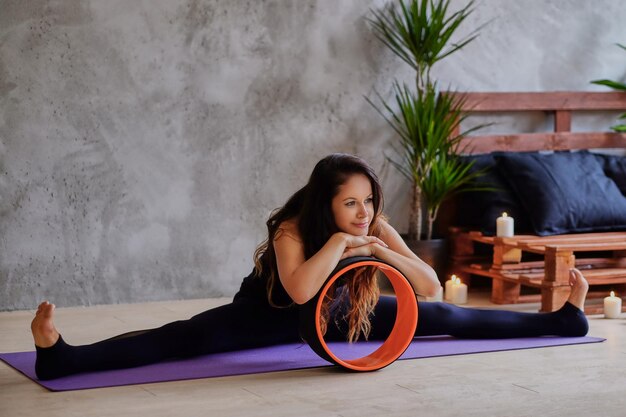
(615, 168)
(478, 210)
(564, 192)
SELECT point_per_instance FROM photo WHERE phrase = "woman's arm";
(421, 276)
(301, 278)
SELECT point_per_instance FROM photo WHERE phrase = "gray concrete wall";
(143, 144)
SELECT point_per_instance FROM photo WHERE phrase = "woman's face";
(353, 206)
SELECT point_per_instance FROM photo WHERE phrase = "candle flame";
(457, 281)
(453, 277)
(612, 293)
(504, 214)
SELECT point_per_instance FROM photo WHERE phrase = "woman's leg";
(470, 323)
(448, 319)
(238, 325)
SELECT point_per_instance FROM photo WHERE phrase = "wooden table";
(551, 275)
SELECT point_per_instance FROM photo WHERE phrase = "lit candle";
(449, 284)
(504, 226)
(459, 292)
(438, 296)
(612, 306)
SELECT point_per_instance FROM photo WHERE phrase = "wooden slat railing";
(561, 104)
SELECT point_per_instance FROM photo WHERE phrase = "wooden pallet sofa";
(569, 205)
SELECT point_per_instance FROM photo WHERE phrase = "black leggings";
(245, 324)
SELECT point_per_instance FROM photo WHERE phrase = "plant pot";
(434, 252)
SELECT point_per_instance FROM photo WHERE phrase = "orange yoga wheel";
(400, 336)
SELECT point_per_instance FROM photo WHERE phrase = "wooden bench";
(557, 253)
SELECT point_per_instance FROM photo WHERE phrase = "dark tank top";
(254, 288)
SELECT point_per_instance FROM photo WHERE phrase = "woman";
(337, 214)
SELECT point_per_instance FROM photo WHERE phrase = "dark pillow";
(564, 192)
(615, 168)
(478, 210)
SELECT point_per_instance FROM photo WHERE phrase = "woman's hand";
(353, 241)
(363, 250)
(360, 245)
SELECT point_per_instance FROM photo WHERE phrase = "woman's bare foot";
(580, 286)
(44, 332)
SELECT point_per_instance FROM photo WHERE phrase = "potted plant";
(426, 120)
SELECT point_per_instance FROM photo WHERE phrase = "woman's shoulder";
(385, 229)
(383, 224)
(288, 228)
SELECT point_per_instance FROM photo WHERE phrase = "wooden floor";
(586, 380)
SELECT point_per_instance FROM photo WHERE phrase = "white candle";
(459, 292)
(436, 297)
(612, 306)
(505, 226)
(449, 284)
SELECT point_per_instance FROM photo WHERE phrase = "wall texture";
(143, 143)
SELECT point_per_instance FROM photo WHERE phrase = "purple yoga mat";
(270, 359)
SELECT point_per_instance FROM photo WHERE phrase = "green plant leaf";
(616, 86)
(619, 128)
(613, 84)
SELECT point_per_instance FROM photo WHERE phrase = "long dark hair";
(311, 207)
